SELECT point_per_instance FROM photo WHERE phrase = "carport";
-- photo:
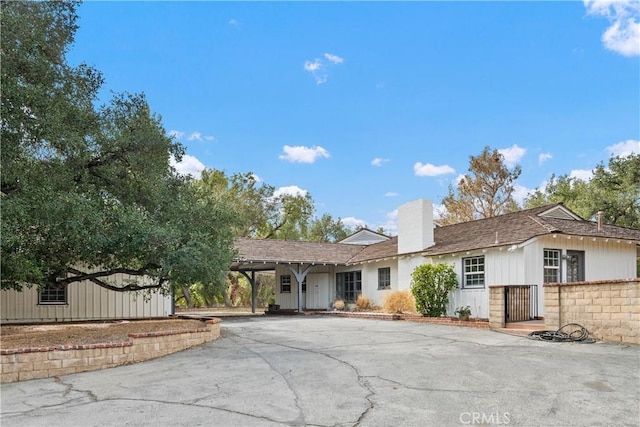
(300, 258)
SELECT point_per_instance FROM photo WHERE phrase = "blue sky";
(368, 105)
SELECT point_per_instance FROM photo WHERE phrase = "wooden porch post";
(254, 288)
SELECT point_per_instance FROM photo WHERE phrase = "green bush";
(430, 286)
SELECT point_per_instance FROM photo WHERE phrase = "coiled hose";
(571, 332)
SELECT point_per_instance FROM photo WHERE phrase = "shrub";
(338, 304)
(399, 302)
(431, 286)
(363, 304)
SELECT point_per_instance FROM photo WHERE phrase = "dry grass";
(47, 335)
(399, 302)
(363, 304)
(338, 304)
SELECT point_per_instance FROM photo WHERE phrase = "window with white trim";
(551, 265)
(349, 285)
(384, 278)
(285, 284)
(473, 272)
(304, 286)
(52, 295)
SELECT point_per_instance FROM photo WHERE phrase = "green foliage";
(615, 190)
(326, 229)
(430, 286)
(485, 192)
(88, 193)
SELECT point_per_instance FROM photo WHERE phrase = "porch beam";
(300, 275)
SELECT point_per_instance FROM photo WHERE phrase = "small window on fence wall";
(384, 278)
(285, 284)
(51, 295)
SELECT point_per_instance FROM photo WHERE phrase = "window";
(52, 295)
(285, 284)
(304, 286)
(551, 266)
(384, 278)
(473, 272)
(349, 285)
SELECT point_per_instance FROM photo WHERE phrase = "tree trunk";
(187, 296)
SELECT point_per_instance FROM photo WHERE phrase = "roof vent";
(600, 220)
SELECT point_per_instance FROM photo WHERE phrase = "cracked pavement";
(325, 371)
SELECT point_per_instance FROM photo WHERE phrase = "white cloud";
(624, 148)
(623, 34)
(209, 138)
(176, 134)
(582, 174)
(256, 177)
(391, 194)
(459, 178)
(378, 161)
(291, 190)
(390, 227)
(301, 154)
(195, 136)
(512, 155)
(439, 211)
(334, 58)
(318, 67)
(189, 165)
(352, 222)
(543, 157)
(521, 192)
(431, 170)
(314, 65)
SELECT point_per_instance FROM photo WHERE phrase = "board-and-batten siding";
(320, 288)
(85, 301)
(604, 260)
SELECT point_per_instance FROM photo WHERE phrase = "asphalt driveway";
(324, 371)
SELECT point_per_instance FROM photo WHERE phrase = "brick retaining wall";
(610, 309)
(43, 362)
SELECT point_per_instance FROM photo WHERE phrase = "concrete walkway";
(325, 371)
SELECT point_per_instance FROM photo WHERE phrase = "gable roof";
(364, 236)
(504, 230)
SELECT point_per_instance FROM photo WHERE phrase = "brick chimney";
(415, 226)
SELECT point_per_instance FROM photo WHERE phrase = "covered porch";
(309, 265)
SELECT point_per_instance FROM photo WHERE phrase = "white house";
(522, 250)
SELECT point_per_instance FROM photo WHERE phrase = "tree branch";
(95, 278)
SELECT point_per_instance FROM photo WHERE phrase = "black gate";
(520, 303)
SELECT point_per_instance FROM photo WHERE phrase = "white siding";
(85, 301)
(370, 280)
(320, 281)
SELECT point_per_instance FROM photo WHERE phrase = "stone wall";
(610, 309)
(31, 363)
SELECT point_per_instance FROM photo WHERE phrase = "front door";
(317, 290)
(575, 266)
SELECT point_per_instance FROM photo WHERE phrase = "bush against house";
(430, 286)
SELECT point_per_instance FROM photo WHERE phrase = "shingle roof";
(503, 230)
(272, 250)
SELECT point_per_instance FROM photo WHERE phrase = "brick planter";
(453, 321)
(43, 362)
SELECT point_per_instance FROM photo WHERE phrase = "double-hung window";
(473, 272)
(285, 284)
(384, 278)
(551, 265)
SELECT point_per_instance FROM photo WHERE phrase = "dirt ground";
(45, 335)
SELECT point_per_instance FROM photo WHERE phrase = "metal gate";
(520, 303)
